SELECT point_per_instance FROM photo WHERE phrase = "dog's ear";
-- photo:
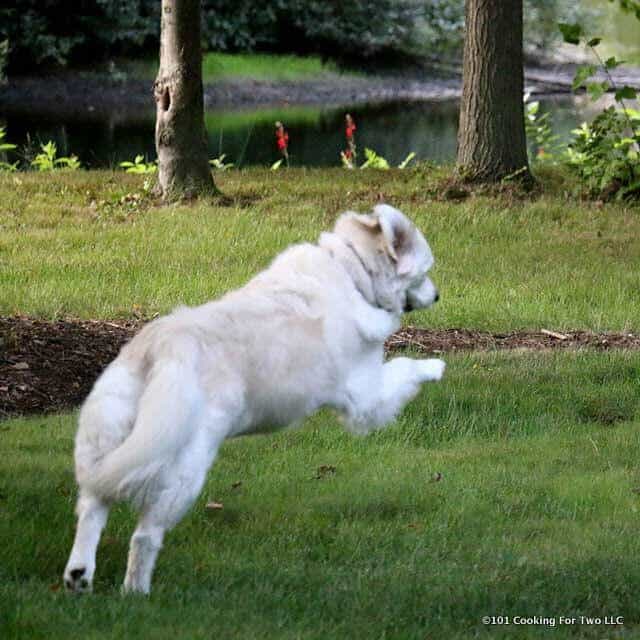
(398, 237)
(370, 222)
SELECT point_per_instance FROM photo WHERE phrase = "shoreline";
(89, 97)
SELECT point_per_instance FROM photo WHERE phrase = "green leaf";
(570, 32)
(612, 63)
(407, 160)
(626, 93)
(583, 73)
(594, 42)
(597, 89)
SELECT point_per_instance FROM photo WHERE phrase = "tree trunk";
(491, 137)
(181, 137)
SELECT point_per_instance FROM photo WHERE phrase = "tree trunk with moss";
(181, 137)
(491, 137)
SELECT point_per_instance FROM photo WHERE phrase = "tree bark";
(491, 137)
(181, 137)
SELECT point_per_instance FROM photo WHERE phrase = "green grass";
(536, 514)
(537, 509)
(89, 244)
(241, 119)
(247, 66)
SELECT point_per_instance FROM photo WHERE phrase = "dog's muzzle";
(411, 304)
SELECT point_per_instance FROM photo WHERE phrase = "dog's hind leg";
(92, 516)
(181, 486)
(105, 421)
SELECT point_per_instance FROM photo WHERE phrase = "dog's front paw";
(432, 370)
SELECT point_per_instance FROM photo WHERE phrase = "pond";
(247, 138)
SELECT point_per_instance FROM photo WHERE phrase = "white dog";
(305, 333)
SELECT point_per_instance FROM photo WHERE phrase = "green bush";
(606, 153)
(46, 33)
(342, 29)
(60, 32)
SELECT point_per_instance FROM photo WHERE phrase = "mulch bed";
(50, 366)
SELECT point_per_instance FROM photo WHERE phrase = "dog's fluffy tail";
(166, 417)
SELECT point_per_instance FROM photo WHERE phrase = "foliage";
(373, 160)
(541, 141)
(4, 147)
(605, 153)
(139, 165)
(52, 33)
(363, 29)
(342, 29)
(219, 164)
(405, 163)
(47, 159)
(443, 25)
(46, 33)
(541, 17)
(631, 6)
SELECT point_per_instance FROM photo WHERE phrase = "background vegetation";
(54, 33)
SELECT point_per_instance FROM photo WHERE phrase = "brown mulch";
(447, 340)
(49, 366)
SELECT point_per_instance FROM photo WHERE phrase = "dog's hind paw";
(76, 580)
(433, 369)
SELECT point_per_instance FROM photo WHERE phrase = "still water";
(247, 137)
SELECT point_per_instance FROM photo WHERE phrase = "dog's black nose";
(437, 296)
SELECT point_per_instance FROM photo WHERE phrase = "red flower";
(282, 140)
(350, 126)
(282, 137)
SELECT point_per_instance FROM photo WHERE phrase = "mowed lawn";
(324, 535)
(509, 489)
(90, 245)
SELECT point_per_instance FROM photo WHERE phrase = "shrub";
(48, 160)
(605, 153)
(606, 157)
(43, 33)
(60, 32)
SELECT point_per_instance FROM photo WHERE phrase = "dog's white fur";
(305, 333)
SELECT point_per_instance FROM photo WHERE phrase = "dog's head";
(395, 254)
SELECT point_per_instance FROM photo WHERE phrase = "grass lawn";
(329, 536)
(248, 66)
(90, 244)
(536, 513)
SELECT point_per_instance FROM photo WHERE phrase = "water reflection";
(316, 135)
